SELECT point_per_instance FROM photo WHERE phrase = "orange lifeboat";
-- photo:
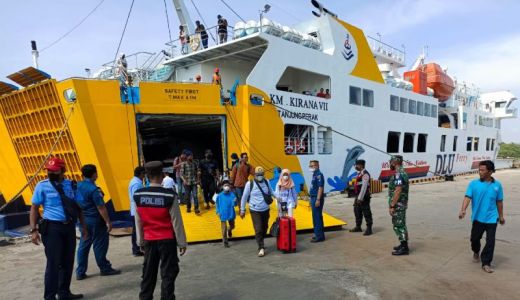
(439, 81)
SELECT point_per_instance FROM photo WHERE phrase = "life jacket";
(153, 206)
(359, 183)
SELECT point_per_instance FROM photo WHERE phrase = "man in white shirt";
(168, 182)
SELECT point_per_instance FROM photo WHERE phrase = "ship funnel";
(34, 54)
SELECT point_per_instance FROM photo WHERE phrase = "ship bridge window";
(488, 144)
(408, 142)
(421, 143)
(324, 140)
(355, 95)
(475, 144)
(403, 105)
(392, 144)
(469, 143)
(500, 104)
(455, 143)
(304, 82)
(420, 108)
(493, 145)
(427, 112)
(412, 107)
(394, 103)
(298, 139)
(434, 111)
(368, 98)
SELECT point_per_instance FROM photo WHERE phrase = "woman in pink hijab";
(286, 193)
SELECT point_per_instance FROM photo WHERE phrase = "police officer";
(57, 228)
(98, 225)
(398, 203)
(362, 200)
(317, 200)
(159, 231)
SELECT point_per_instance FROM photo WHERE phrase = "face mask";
(54, 177)
(311, 169)
(259, 177)
(227, 188)
(285, 177)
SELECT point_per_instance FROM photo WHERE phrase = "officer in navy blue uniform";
(317, 200)
(57, 228)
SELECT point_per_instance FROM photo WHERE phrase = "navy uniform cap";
(397, 158)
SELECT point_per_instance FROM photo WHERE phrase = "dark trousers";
(135, 248)
(477, 231)
(60, 244)
(208, 188)
(98, 237)
(161, 253)
(317, 218)
(260, 224)
(204, 42)
(190, 193)
(361, 210)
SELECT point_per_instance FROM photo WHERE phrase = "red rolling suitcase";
(286, 240)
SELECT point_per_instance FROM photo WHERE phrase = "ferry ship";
(268, 106)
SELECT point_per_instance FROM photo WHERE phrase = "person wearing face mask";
(398, 203)
(317, 200)
(286, 193)
(208, 168)
(259, 193)
(226, 211)
(190, 180)
(57, 228)
(362, 200)
(98, 225)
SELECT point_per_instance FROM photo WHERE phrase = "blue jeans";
(180, 190)
(191, 194)
(239, 191)
(98, 236)
(317, 218)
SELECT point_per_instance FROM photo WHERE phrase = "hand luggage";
(286, 240)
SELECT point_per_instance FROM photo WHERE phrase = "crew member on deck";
(362, 200)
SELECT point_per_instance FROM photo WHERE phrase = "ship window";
(488, 143)
(455, 143)
(324, 140)
(355, 95)
(421, 143)
(298, 139)
(426, 109)
(394, 103)
(475, 144)
(412, 108)
(434, 111)
(403, 107)
(493, 145)
(303, 82)
(443, 143)
(256, 99)
(408, 142)
(368, 98)
(420, 108)
(469, 143)
(392, 144)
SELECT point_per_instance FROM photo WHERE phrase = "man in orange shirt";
(240, 174)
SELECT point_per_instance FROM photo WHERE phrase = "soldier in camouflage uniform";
(398, 202)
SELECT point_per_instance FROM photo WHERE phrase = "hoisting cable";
(231, 9)
(49, 154)
(167, 21)
(73, 28)
(123, 33)
(347, 136)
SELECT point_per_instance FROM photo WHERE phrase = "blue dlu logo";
(347, 52)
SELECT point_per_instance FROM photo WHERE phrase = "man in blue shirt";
(98, 225)
(60, 213)
(486, 197)
(317, 200)
(135, 184)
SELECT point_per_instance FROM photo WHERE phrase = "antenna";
(35, 54)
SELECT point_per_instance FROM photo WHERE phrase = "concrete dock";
(346, 266)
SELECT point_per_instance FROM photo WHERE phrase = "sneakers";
(476, 257)
(356, 229)
(226, 245)
(197, 211)
(488, 269)
(111, 272)
(261, 253)
(315, 240)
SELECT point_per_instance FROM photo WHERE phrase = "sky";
(477, 40)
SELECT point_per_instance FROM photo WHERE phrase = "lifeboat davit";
(439, 81)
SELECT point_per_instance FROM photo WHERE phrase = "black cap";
(360, 162)
(152, 165)
(234, 156)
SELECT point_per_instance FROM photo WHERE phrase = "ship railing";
(298, 145)
(387, 51)
(194, 41)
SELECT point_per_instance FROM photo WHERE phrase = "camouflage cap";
(398, 158)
